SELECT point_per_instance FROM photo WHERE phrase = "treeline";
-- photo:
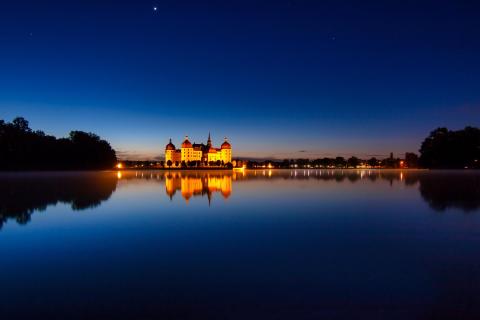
(21, 148)
(448, 149)
(442, 149)
(410, 161)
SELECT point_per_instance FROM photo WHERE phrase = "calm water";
(256, 245)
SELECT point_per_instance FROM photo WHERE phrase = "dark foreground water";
(304, 244)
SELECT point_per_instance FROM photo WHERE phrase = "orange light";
(119, 165)
(119, 175)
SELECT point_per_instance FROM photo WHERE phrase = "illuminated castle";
(204, 153)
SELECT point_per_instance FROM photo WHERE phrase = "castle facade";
(206, 154)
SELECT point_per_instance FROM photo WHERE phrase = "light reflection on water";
(277, 244)
(23, 194)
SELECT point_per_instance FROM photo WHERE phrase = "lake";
(264, 244)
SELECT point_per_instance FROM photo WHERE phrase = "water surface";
(265, 244)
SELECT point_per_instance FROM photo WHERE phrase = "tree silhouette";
(340, 162)
(411, 160)
(372, 162)
(353, 162)
(21, 124)
(451, 149)
(23, 149)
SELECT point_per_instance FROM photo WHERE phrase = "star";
(155, 8)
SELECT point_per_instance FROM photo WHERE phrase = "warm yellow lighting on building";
(204, 153)
(269, 166)
(119, 165)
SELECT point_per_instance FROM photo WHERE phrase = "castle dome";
(186, 143)
(226, 145)
(170, 146)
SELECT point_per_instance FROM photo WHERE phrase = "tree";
(229, 165)
(326, 162)
(169, 163)
(24, 149)
(302, 163)
(88, 151)
(372, 162)
(218, 163)
(21, 124)
(411, 160)
(340, 162)
(444, 148)
(353, 162)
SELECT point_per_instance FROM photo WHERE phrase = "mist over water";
(259, 244)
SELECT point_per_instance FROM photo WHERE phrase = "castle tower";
(170, 152)
(187, 150)
(209, 141)
(226, 151)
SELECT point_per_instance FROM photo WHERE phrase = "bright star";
(155, 8)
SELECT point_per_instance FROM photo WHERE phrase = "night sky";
(283, 79)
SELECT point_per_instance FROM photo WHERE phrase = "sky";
(280, 79)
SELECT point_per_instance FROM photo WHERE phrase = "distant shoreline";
(289, 169)
(258, 169)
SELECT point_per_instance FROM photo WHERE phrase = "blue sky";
(281, 79)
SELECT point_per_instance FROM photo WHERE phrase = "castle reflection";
(22, 194)
(440, 189)
(191, 185)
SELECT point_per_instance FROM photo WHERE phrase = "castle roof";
(200, 146)
(226, 145)
(186, 143)
(170, 146)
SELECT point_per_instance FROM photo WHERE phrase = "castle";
(205, 154)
